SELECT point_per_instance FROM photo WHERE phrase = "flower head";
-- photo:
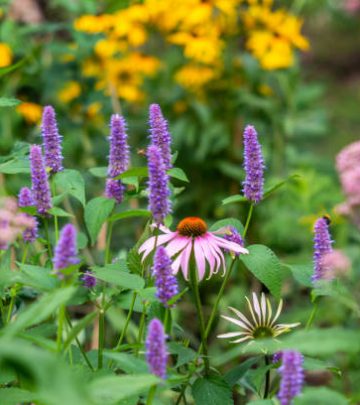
(253, 165)
(292, 376)
(30, 234)
(166, 283)
(40, 182)
(192, 236)
(159, 192)
(115, 189)
(260, 325)
(25, 197)
(88, 279)
(159, 134)
(66, 251)
(322, 246)
(156, 353)
(52, 140)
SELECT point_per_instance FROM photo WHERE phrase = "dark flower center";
(192, 226)
(263, 332)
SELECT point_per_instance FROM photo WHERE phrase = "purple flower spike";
(25, 197)
(159, 192)
(88, 279)
(234, 236)
(166, 283)
(115, 189)
(322, 246)
(52, 140)
(65, 251)
(292, 376)
(159, 134)
(26, 200)
(156, 353)
(253, 186)
(40, 182)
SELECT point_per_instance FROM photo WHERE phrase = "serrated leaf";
(177, 173)
(134, 172)
(9, 102)
(114, 275)
(130, 213)
(184, 354)
(234, 199)
(71, 182)
(59, 212)
(265, 266)
(97, 211)
(234, 375)
(212, 390)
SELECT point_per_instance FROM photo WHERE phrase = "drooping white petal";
(235, 321)
(256, 306)
(241, 316)
(269, 312)
(243, 339)
(230, 335)
(251, 311)
(278, 312)
(263, 307)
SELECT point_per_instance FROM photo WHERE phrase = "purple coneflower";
(322, 246)
(118, 158)
(192, 235)
(159, 192)
(166, 283)
(292, 376)
(156, 353)
(52, 140)
(40, 182)
(159, 134)
(66, 251)
(88, 279)
(26, 200)
(253, 186)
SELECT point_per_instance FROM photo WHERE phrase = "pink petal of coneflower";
(149, 245)
(176, 245)
(209, 256)
(185, 259)
(215, 252)
(199, 259)
(234, 247)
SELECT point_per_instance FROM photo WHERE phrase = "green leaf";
(112, 389)
(98, 171)
(78, 327)
(228, 222)
(71, 182)
(177, 173)
(265, 266)
(134, 172)
(40, 310)
(320, 396)
(8, 69)
(234, 199)
(234, 375)
(9, 102)
(278, 185)
(184, 354)
(97, 211)
(262, 402)
(39, 278)
(114, 275)
(130, 213)
(302, 273)
(15, 166)
(212, 390)
(13, 396)
(59, 212)
(128, 362)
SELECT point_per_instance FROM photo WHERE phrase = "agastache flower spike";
(88, 279)
(322, 246)
(40, 182)
(253, 165)
(233, 236)
(65, 251)
(26, 200)
(166, 283)
(118, 158)
(52, 140)
(156, 353)
(292, 376)
(159, 134)
(159, 192)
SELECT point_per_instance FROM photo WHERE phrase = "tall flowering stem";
(292, 376)
(322, 246)
(26, 200)
(52, 140)
(40, 182)
(253, 186)
(156, 352)
(158, 186)
(159, 134)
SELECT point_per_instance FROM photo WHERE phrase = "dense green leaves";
(114, 275)
(129, 214)
(15, 166)
(97, 211)
(179, 174)
(234, 199)
(212, 390)
(71, 182)
(302, 273)
(320, 396)
(9, 102)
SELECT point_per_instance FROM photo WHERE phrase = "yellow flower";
(5, 55)
(93, 24)
(31, 112)
(105, 48)
(194, 77)
(69, 92)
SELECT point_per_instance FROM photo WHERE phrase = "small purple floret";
(322, 246)
(159, 134)
(292, 376)
(26, 200)
(40, 182)
(115, 189)
(158, 185)
(66, 251)
(156, 353)
(52, 140)
(234, 236)
(253, 186)
(88, 279)
(166, 283)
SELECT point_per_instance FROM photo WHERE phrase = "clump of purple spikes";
(158, 185)
(253, 186)
(26, 200)
(118, 158)
(66, 251)
(159, 134)
(52, 140)
(88, 279)
(40, 182)
(166, 283)
(322, 246)
(156, 353)
(292, 376)
(234, 236)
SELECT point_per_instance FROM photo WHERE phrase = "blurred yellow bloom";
(194, 77)
(265, 90)
(93, 24)
(69, 92)
(6, 55)
(31, 112)
(106, 48)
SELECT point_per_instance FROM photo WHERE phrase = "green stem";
(267, 378)
(167, 321)
(128, 318)
(141, 329)
(108, 243)
(101, 337)
(151, 395)
(251, 209)
(195, 288)
(46, 226)
(61, 317)
(56, 223)
(312, 315)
